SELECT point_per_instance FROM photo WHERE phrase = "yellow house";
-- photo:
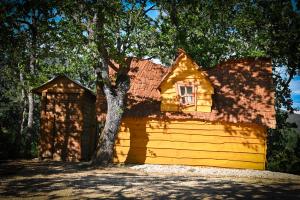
(188, 115)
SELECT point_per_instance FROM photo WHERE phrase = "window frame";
(179, 85)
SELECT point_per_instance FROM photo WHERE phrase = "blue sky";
(295, 88)
(294, 4)
(295, 83)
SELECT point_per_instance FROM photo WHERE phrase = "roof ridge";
(64, 75)
(243, 59)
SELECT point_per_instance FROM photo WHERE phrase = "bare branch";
(287, 83)
(149, 9)
(24, 22)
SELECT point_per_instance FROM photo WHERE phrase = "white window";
(186, 94)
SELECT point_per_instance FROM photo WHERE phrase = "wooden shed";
(190, 115)
(68, 121)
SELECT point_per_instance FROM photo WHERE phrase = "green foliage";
(66, 40)
(54, 52)
(283, 153)
(12, 141)
(8, 131)
(212, 31)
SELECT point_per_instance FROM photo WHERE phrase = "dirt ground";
(58, 180)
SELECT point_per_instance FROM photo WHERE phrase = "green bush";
(283, 147)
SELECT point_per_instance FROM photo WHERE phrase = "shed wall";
(88, 139)
(61, 126)
(191, 142)
(67, 126)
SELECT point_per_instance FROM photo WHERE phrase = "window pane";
(182, 90)
(190, 99)
(189, 90)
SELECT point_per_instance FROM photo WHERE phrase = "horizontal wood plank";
(203, 131)
(191, 142)
(228, 147)
(193, 162)
(174, 153)
(188, 138)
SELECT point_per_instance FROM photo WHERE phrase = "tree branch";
(151, 8)
(287, 83)
(25, 22)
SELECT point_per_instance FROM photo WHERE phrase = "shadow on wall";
(244, 92)
(67, 120)
(63, 134)
(138, 143)
(134, 146)
(182, 138)
(249, 131)
(250, 135)
(64, 127)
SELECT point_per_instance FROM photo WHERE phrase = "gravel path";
(59, 180)
(215, 172)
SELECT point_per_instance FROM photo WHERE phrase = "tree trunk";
(115, 97)
(115, 93)
(32, 66)
(18, 138)
(30, 110)
(29, 131)
(105, 145)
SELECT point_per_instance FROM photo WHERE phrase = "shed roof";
(244, 92)
(49, 83)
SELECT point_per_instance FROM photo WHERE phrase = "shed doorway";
(64, 125)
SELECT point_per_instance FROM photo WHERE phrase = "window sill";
(186, 105)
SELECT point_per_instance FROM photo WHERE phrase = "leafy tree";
(212, 31)
(283, 150)
(42, 38)
(26, 23)
(31, 52)
(111, 33)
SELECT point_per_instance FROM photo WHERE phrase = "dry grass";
(58, 180)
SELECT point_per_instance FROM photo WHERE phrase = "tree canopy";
(40, 39)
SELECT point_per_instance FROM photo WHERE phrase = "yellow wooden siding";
(186, 72)
(190, 142)
(204, 102)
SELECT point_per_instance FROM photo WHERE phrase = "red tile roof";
(244, 92)
(145, 78)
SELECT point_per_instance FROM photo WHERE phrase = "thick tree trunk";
(115, 97)
(115, 93)
(105, 145)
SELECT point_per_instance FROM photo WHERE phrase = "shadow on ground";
(55, 180)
